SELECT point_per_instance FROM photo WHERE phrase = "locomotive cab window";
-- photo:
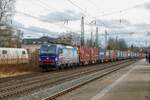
(23, 52)
(4, 52)
(60, 51)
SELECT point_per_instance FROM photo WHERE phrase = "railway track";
(28, 77)
(26, 84)
(54, 96)
(35, 74)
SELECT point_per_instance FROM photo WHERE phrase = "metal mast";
(96, 39)
(82, 31)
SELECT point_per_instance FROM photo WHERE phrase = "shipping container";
(142, 55)
(93, 55)
(84, 55)
(88, 55)
(102, 54)
(112, 55)
(129, 54)
(125, 54)
(107, 55)
(118, 55)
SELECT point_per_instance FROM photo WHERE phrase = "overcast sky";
(50, 17)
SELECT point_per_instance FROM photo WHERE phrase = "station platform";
(130, 83)
(133, 85)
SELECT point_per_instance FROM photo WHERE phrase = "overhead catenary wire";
(111, 13)
(48, 7)
(45, 6)
(42, 5)
(85, 12)
(96, 17)
(42, 19)
(107, 14)
(123, 10)
(88, 15)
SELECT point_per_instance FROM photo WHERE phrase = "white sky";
(41, 9)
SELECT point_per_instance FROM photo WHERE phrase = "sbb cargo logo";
(61, 56)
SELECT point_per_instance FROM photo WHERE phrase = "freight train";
(13, 56)
(57, 56)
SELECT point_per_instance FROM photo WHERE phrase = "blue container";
(102, 54)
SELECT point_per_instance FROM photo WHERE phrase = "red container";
(94, 55)
(113, 55)
(88, 55)
(84, 55)
(126, 54)
(142, 55)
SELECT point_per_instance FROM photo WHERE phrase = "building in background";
(10, 37)
(33, 44)
(69, 38)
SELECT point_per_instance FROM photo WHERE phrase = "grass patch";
(19, 69)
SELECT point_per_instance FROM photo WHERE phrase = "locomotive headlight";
(56, 59)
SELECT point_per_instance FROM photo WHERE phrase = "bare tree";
(120, 44)
(6, 10)
(111, 44)
(6, 30)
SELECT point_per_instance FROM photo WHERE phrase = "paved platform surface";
(130, 83)
(134, 85)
